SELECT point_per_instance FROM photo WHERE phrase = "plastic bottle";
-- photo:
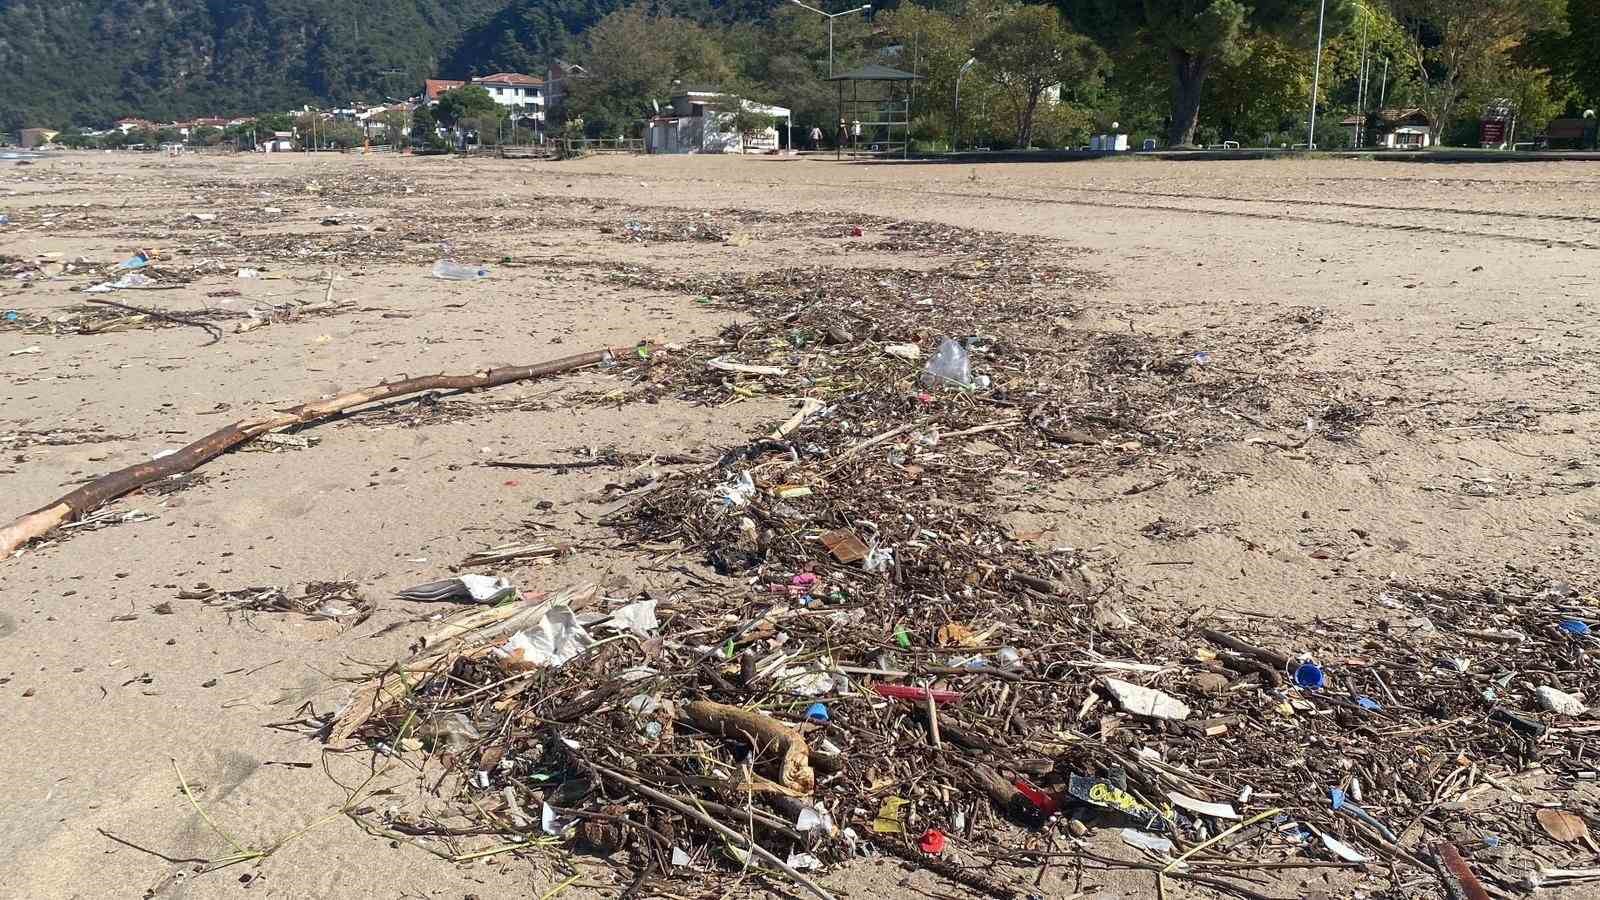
(454, 271)
(950, 367)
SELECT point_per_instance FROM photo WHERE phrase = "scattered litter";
(1341, 849)
(950, 367)
(476, 588)
(555, 640)
(1143, 701)
(1144, 841)
(454, 271)
(1560, 702)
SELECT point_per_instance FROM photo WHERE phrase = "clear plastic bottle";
(451, 270)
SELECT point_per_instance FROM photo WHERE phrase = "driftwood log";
(108, 487)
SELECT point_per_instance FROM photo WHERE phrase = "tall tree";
(632, 58)
(1031, 50)
(1196, 36)
(1455, 43)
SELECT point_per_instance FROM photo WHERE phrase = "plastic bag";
(950, 367)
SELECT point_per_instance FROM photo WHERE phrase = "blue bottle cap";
(1336, 795)
(817, 712)
(1309, 676)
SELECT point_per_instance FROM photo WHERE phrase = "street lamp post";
(955, 140)
(830, 17)
(1316, 77)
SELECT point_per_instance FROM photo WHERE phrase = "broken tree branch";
(108, 487)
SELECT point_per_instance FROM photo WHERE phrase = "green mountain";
(89, 62)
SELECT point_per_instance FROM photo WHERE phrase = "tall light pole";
(955, 140)
(830, 17)
(1316, 78)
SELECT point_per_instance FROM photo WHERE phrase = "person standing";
(855, 134)
(843, 136)
(816, 137)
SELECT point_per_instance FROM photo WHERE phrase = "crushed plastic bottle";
(950, 367)
(451, 270)
(137, 261)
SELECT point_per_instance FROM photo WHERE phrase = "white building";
(694, 125)
(1399, 129)
(522, 95)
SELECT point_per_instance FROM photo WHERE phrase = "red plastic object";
(908, 692)
(1047, 804)
(932, 842)
(855, 231)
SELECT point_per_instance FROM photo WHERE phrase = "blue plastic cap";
(1309, 676)
(1575, 627)
(817, 712)
(1337, 796)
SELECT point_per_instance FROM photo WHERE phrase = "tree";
(1195, 36)
(1031, 50)
(205, 136)
(1454, 43)
(394, 124)
(424, 125)
(736, 114)
(74, 139)
(1259, 94)
(634, 58)
(467, 101)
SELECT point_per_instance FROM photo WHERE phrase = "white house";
(694, 125)
(1399, 129)
(522, 95)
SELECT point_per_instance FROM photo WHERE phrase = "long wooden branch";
(108, 487)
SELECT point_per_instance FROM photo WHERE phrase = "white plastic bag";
(950, 367)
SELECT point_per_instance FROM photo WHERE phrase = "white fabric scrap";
(557, 638)
(638, 617)
(486, 588)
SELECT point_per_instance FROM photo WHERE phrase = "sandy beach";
(1430, 326)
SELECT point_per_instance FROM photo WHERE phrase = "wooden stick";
(808, 408)
(687, 810)
(933, 721)
(1223, 639)
(722, 365)
(108, 487)
(791, 764)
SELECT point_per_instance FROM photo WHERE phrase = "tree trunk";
(1188, 77)
(1025, 126)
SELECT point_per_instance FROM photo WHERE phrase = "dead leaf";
(1564, 826)
(957, 635)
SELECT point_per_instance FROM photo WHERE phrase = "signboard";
(1492, 132)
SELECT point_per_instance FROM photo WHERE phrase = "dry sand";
(1455, 300)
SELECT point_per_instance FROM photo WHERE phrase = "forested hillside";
(86, 62)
